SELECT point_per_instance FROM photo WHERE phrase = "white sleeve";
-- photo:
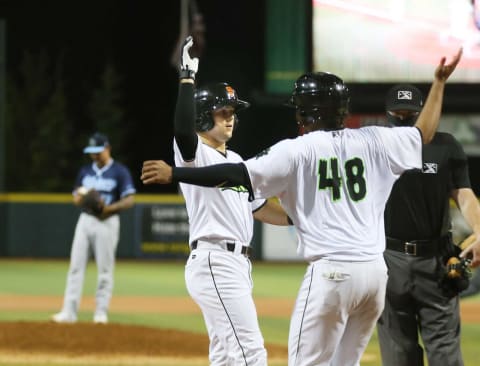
(403, 147)
(257, 204)
(269, 170)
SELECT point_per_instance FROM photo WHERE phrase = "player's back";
(334, 186)
(350, 183)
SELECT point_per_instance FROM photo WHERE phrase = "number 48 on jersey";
(330, 177)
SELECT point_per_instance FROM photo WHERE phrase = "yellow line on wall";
(67, 198)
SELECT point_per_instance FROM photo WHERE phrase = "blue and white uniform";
(114, 182)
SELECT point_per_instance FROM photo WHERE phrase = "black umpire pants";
(474, 286)
(415, 304)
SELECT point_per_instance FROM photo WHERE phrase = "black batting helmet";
(212, 97)
(320, 98)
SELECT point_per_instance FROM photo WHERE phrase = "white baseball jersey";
(334, 186)
(217, 213)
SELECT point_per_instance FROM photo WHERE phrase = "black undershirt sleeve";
(219, 175)
(184, 126)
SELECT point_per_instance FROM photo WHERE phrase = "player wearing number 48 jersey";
(334, 185)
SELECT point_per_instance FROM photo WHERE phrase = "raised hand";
(443, 71)
(188, 65)
(156, 171)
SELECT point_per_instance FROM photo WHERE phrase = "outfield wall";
(42, 225)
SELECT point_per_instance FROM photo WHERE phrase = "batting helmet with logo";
(212, 97)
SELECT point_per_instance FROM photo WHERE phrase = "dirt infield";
(88, 338)
(137, 304)
(43, 342)
(175, 305)
(113, 341)
(40, 342)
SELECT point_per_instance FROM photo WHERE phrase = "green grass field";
(157, 278)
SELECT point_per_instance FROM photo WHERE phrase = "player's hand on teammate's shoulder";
(156, 171)
(444, 70)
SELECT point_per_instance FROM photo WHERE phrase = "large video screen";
(464, 127)
(387, 41)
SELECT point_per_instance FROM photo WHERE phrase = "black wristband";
(186, 74)
(289, 220)
(174, 178)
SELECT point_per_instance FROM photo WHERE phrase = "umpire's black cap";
(404, 97)
(96, 143)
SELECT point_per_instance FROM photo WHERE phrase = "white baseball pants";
(220, 283)
(336, 311)
(102, 237)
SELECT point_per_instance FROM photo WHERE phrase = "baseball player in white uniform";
(334, 185)
(218, 270)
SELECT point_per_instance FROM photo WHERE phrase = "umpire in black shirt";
(417, 226)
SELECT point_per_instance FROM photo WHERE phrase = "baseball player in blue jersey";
(98, 229)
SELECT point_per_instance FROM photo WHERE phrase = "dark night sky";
(139, 37)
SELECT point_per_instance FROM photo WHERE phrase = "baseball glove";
(92, 203)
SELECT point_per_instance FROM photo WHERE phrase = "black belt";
(417, 248)
(230, 247)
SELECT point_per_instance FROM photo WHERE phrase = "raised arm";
(184, 126)
(429, 117)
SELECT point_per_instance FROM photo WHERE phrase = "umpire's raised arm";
(429, 117)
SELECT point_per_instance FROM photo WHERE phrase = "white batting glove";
(188, 65)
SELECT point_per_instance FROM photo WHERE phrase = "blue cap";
(96, 144)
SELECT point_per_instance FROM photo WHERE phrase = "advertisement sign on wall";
(163, 231)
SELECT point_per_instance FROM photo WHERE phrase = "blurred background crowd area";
(68, 68)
